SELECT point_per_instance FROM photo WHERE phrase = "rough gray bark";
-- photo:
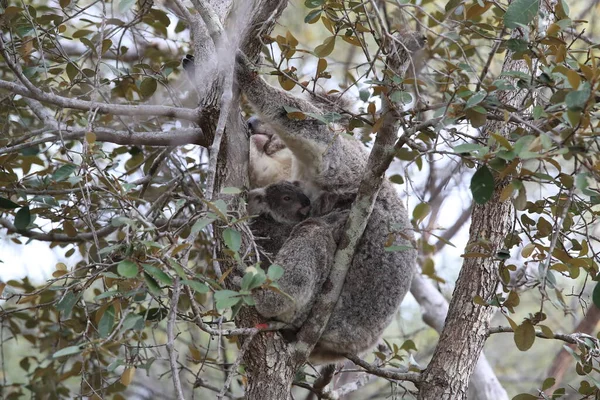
(269, 367)
(461, 342)
(484, 384)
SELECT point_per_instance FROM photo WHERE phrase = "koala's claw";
(188, 64)
(244, 68)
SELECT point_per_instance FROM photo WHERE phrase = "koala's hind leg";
(306, 258)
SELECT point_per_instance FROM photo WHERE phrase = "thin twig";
(233, 368)
(413, 377)
(171, 340)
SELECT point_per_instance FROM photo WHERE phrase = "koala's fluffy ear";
(301, 185)
(257, 199)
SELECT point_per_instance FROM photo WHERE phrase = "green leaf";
(312, 17)
(548, 383)
(67, 351)
(63, 172)
(66, 304)
(231, 190)
(521, 13)
(107, 294)
(133, 321)
(476, 98)
(106, 43)
(577, 99)
(152, 284)
(221, 206)
(596, 295)
(82, 33)
(275, 272)
(247, 281)
(467, 148)
(158, 274)
(201, 224)
(45, 200)
(155, 314)
(517, 45)
(314, 3)
(525, 396)
(197, 286)
(582, 183)
(524, 336)
(401, 97)
(178, 268)
(522, 145)
(72, 71)
(226, 299)
(408, 346)
(127, 269)
(8, 204)
(22, 218)
(325, 49)
(397, 179)
(421, 211)
(233, 239)
(148, 87)
(482, 185)
(398, 248)
(107, 322)
(452, 4)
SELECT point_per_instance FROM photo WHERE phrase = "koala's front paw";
(245, 71)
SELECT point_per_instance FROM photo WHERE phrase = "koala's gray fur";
(281, 207)
(306, 257)
(278, 207)
(377, 280)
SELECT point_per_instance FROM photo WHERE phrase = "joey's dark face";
(287, 201)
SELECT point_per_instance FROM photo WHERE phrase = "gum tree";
(136, 173)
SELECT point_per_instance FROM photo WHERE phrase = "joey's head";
(284, 201)
(270, 159)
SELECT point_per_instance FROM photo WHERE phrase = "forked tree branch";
(187, 114)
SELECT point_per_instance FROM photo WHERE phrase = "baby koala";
(279, 207)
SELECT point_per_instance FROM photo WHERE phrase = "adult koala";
(377, 280)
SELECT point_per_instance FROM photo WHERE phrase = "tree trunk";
(465, 332)
(270, 369)
(484, 384)
(466, 328)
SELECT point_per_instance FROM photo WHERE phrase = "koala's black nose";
(304, 200)
(254, 124)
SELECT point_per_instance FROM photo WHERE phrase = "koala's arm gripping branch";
(271, 103)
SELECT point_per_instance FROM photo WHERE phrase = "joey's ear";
(257, 195)
(256, 201)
